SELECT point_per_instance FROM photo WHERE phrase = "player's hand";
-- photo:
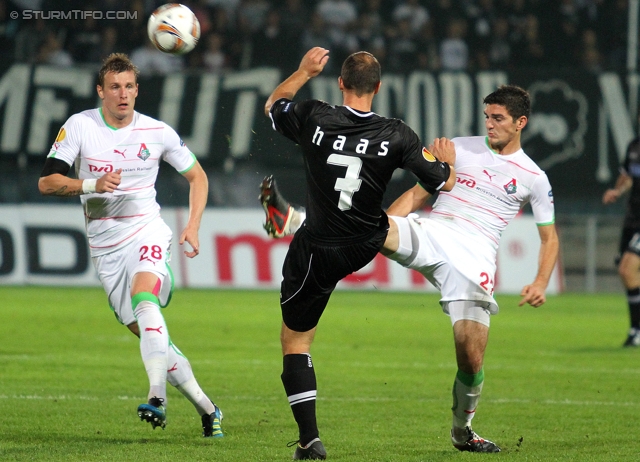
(610, 196)
(109, 182)
(191, 236)
(533, 295)
(444, 150)
(314, 61)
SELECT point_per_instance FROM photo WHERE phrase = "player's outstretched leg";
(278, 211)
(312, 451)
(465, 439)
(181, 376)
(153, 412)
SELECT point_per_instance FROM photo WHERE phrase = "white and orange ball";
(174, 29)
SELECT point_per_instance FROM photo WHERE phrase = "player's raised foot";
(153, 412)
(633, 339)
(314, 450)
(465, 439)
(211, 424)
(278, 211)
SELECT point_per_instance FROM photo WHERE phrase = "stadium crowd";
(449, 35)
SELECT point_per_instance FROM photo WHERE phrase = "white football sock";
(465, 401)
(180, 375)
(154, 346)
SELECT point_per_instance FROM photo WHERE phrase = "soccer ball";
(174, 29)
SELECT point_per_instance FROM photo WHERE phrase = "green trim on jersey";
(142, 297)
(471, 380)
(547, 223)
(104, 120)
(486, 141)
(193, 156)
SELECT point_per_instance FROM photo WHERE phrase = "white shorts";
(149, 251)
(460, 266)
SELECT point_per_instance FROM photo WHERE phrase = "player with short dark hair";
(350, 154)
(628, 258)
(117, 153)
(456, 247)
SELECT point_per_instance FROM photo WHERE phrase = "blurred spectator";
(272, 45)
(214, 58)
(411, 10)
(428, 53)
(84, 43)
(529, 51)
(613, 33)
(51, 52)
(294, 17)
(482, 22)
(315, 36)
(229, 6)
(233, 40)
(454, 51)
(8, 31)
(151, 61)
(28, 40)
(252, 14)
(499, 48)
(370, 37)
(590, 57)
(403, 49)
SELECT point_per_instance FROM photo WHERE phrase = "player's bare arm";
(198, 193)
(57, 184)
(534, 293)
(312, 64)
(623, 184)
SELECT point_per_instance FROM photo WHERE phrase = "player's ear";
(100, 92)
(341, 84)
(377, 89)
(521, 122)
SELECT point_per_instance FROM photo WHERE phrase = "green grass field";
(558, 385)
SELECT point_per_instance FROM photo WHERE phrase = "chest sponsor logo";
(511, 187)
(471, 183)
(143, 153)
(104, 168)
(427, 155)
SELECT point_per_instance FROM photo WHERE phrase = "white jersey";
(112, 219)
(491, 189)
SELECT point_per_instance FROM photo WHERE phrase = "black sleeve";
(288, 117)
(53, 165)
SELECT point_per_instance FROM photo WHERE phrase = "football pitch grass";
(558, 384)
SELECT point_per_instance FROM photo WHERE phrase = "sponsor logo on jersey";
(183, 144)
(62, 134)
(427, 155)
(143, 153)
(104, 168)
(511, 186)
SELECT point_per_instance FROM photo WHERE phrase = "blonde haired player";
(117, 153)
(456, 247)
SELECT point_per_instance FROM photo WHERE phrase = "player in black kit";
(628, 258)
(350, 154)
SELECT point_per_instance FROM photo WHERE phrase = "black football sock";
(299, 380)
(633, 298)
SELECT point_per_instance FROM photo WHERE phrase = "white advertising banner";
(45, 244)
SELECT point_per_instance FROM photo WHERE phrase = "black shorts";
(311, 271)
(629, 242)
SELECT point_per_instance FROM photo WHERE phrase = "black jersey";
(349, 159)
(632, 167)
